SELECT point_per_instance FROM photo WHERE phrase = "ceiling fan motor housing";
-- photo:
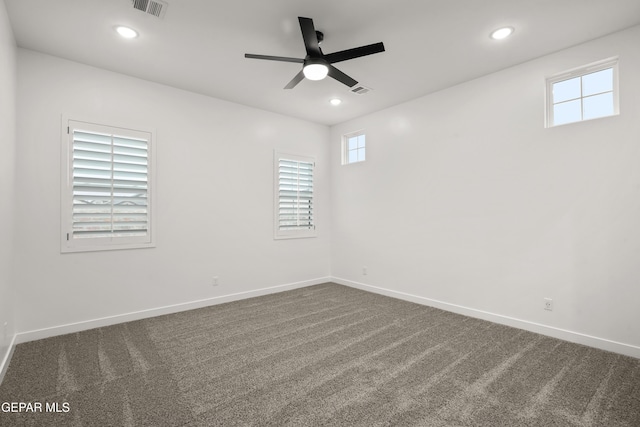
(309, 60)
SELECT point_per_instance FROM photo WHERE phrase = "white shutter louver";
(109, 186)
(294, 196)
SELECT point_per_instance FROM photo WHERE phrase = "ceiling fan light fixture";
(315, 71)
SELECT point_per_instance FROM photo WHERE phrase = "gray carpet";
(321, 355)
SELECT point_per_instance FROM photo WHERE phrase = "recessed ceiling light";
(336, 101)
(126, 32)
(502, 33)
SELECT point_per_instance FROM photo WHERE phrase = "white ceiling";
(199, 45)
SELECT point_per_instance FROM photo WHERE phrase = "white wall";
(214, 208)
(467, 202)
(7, 162)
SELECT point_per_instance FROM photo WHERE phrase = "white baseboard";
(153, 312)
(4, 364)
(563, 334)
(571, 336)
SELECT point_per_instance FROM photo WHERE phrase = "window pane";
(114, 184)
(353, 147)
(294, 195)
(599, 82)
(598, 106)
(566, 112)
(353, 156)
(565, 90)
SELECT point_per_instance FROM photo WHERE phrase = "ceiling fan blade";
(341, 77)
(297, 79)
(274, 58)
(309, 36)
(356, 52)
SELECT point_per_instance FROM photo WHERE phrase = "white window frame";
(579, 72)
(345, 147)
(67, 241)
(304, 230)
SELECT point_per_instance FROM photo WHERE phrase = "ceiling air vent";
(360, 90)
(152, 7)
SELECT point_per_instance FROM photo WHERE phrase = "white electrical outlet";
(548, 304)
(364, 271)
(214, 282)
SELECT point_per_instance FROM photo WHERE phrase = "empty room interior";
(320, 213)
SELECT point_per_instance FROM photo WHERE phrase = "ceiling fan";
(317, 65)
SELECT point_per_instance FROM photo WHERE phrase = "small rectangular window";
(353, 148)
(293, 189)
(584, 93)
(106, 188)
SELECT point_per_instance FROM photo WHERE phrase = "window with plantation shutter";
(106, 197)
(294, 216)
